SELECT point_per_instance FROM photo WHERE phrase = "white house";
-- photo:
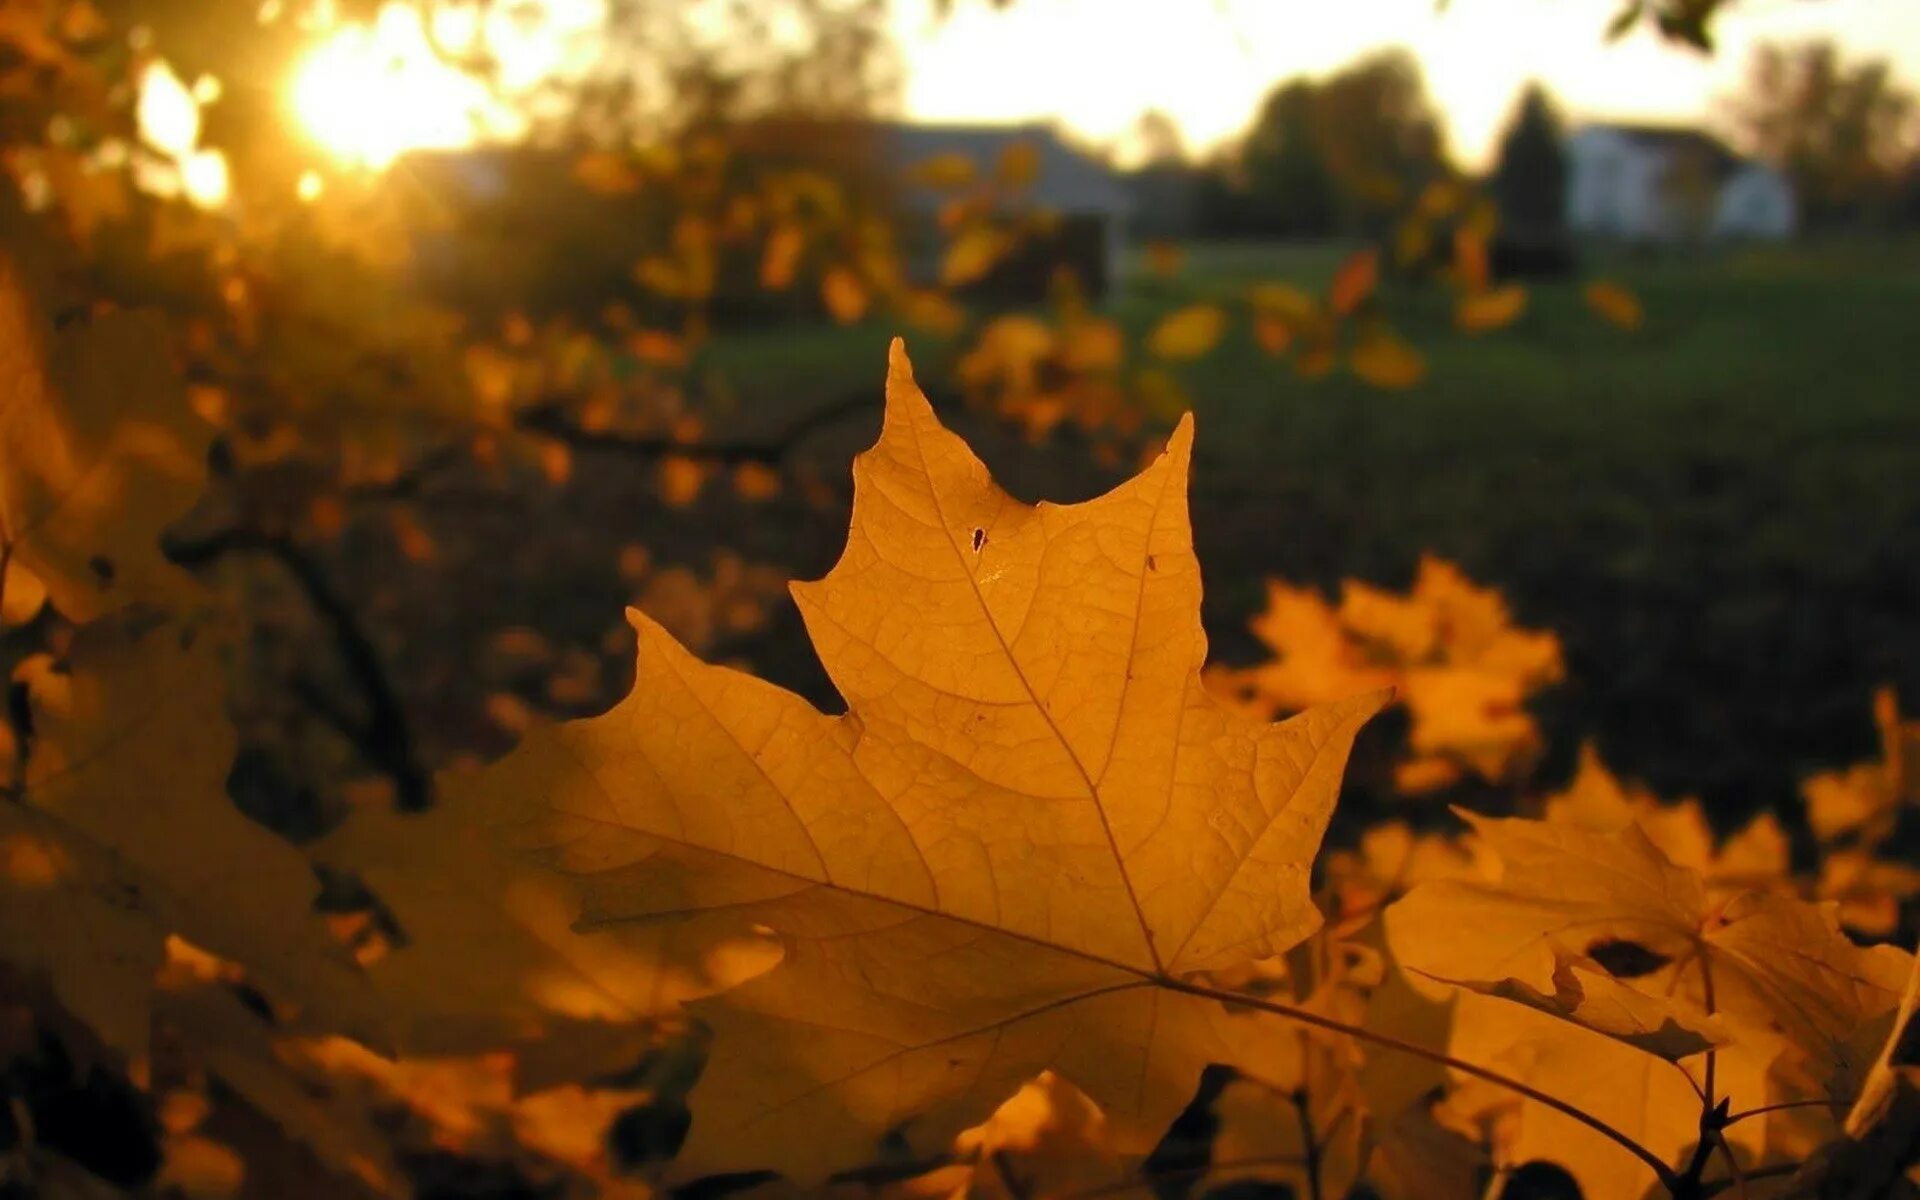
(1756, 201)
(1657, 184)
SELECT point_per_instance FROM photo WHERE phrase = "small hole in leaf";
(979, 539)
(1626, 960)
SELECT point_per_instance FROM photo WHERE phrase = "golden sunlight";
(369, 93)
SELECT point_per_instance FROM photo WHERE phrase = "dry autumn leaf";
(1048, 1139)
(121, 833)
(1606, 931)
(1385, 360)
(781, 257)
(1470, 266)
(1645, 1097)
(99, 453)
(1018, 165)
(1479, 312)
(1187, 333)
(972, 254)
(1758, 856)
(1862, 803)
(1614, 304)
(947, 172)
(1030, 832)
(844, 295)
(1448, 648)
(1354, 282)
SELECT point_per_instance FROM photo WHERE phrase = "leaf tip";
(903, 394)
(1180, 441)
(642, 623)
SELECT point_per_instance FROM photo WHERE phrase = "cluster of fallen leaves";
(1447, 647)
(984, 933)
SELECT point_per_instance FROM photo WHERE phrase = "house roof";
(1677, 139)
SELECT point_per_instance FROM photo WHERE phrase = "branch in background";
(383, 737)
(550, 420)
(407, 484)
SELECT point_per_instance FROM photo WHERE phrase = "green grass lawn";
(1719, 513)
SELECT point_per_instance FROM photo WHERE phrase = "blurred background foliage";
(544, 301)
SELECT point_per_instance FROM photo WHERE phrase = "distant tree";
(1530, 177)
(1842, 131)
(1157, 140)
(1283, 171)
(1379, 135)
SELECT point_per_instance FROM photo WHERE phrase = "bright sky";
(1097, 65)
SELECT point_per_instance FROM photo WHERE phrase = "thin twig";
(550, 420)
(1762, 1110)
(384, 739)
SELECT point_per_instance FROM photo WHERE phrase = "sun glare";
(369, 93)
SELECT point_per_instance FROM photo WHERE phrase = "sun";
(368, 94)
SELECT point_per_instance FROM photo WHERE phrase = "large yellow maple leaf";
(1022, 847)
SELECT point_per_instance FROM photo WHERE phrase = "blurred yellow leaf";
(1418, 776)
(658, 347)
(754, 481)
(411, 536)
(1614, 304)
(1412, 241)
(1356, 279)
(844, 295)
(971, 255)
(661, 275)
(1161, 394)
(1187, 333)
(199, 1168)
(681, 479)
(1483, 311)
(1092, 344)
(1442, 198)
(1315, 362)
(1470, 259)
(1285, 302)
(931, 310)
(1162, 258)
(1009, 354)
(1272, 334)
(23, 597)
(946, 172)
(1385, 360)
(1019, 164)
(781, 258)
(607, 172)
(1049, 1139)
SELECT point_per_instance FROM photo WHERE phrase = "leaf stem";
(1764, 1109)
(1706, 989)
(1668, 1178)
